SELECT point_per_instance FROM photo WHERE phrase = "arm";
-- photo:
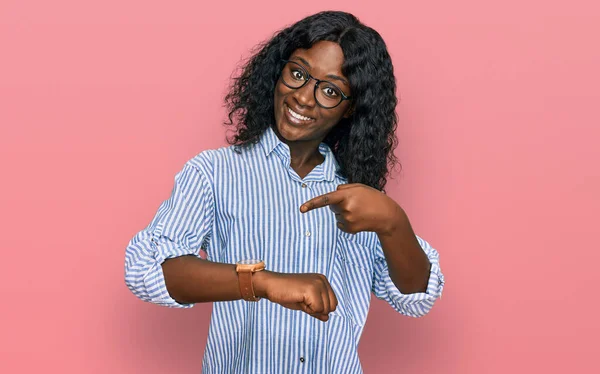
(408, 264)
(192, 280)
(162, 263)
(180, 227)
(406, 269)
(415, 304)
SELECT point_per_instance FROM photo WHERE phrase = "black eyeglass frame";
(309, 77)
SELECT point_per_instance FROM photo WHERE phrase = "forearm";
(190, 280)
(408, 264)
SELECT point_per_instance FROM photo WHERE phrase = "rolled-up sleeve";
(181, 226)
(415, 304)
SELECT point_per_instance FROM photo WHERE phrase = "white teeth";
(298, 116)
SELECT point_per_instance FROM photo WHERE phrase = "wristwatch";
(245, 269)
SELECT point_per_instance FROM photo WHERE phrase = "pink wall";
(101, 104)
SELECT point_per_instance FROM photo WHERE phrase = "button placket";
(305, 197)
(307, 191)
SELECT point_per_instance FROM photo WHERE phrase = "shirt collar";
(269, 141)
(326, 170)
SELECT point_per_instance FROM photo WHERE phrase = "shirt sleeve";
(181, 226)
(415, 304)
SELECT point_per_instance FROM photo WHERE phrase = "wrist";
(396, 220)
(260, 282)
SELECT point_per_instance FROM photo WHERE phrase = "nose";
(305, 95)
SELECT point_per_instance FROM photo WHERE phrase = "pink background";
(101, 103)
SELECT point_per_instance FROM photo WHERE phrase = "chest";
(258, 217)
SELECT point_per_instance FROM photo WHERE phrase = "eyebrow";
(332, 76)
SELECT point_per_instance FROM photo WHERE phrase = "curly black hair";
(363, 143)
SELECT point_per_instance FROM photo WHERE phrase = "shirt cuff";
(420, 303)
(154, 280)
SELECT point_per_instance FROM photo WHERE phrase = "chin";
(289, 132)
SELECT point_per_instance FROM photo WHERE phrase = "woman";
(292, 216)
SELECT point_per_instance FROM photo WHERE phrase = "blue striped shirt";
(245, 205)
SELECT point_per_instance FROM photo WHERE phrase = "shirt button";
(303, 185)
(307, 233)
(302, 359)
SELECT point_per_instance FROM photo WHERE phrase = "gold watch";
(245, 269)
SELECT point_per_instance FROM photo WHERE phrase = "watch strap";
(246, 289)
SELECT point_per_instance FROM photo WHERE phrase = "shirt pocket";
(351, 278)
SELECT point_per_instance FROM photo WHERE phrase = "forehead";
(324, 58)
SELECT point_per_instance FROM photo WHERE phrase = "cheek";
(280, 91)
(331, 116)
(277, 100)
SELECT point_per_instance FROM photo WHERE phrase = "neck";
(304, 155)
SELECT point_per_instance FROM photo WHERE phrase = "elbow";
(420, 309)
(147, 277)
(134, 285)
(414, 308)
(135, 272)
(134, 279)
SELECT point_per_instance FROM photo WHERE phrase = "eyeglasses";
(327, 94)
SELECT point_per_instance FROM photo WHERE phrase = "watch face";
(249, 262)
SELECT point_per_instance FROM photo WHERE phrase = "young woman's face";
(323, 61)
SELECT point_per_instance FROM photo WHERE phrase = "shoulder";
(209, 160)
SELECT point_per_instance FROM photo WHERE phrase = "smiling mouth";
(297, 116)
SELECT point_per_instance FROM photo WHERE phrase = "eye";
(330, 91)
(298, 75)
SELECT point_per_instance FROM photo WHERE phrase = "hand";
(358, 207)
(310, 293)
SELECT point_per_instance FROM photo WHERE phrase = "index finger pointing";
(330, 198)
